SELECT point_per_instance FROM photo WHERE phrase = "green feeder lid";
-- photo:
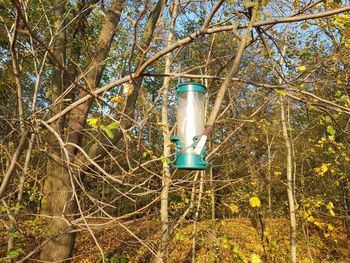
(190, 87)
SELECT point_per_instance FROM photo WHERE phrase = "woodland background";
(87, 107)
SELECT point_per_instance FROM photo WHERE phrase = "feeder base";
(190, 161)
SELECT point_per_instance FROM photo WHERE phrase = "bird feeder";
(190, 142)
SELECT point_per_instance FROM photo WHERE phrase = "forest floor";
(229, 240)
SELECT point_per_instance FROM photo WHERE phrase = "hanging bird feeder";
(190, 142)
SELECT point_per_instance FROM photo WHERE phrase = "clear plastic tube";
(190, 117)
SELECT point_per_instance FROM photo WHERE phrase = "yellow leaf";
(276, 173)
(266, 233)
(311, 219)
(249, 4)
(93, 122)
(301, 68)
(330, 227)
(233, 208)
(226, 245)
(281, 92)
(255, 258)
(304, 26)
(330, 205)
(324, 167)
(117, 99)
(254, 202)
(316, 223)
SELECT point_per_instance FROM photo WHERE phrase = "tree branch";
(233, 71)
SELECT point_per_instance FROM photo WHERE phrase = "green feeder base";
(190, 161)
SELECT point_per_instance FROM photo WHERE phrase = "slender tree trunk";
(16, 71)
(11, 239)
(164, 218)
(196, 215)
(294, 166)
(232, 73)
(212, 194)
(346, 205)
(269, 171)
(291, 201)
(96, 151)
(289, 166)
(211, 174)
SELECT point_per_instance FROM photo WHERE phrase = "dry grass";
(230, 240)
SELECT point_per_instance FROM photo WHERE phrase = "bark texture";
(59, 204)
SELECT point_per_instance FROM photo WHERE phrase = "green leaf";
(225, 238)
(344, 98)
(212, 258)
(328, 119)
(15, 233)
(330, 130)
(108, 131)
(43, 203)
(305, 53)
(48, 94)
(113, 125)
(14, 252)
(165, 160)
(281, 92)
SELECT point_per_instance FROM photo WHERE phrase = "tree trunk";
(289, 168)
(291, 201)
(269, 172)
(196, 215)
(59, 205)
(346, 205)
(164, 198)
(212, 194)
